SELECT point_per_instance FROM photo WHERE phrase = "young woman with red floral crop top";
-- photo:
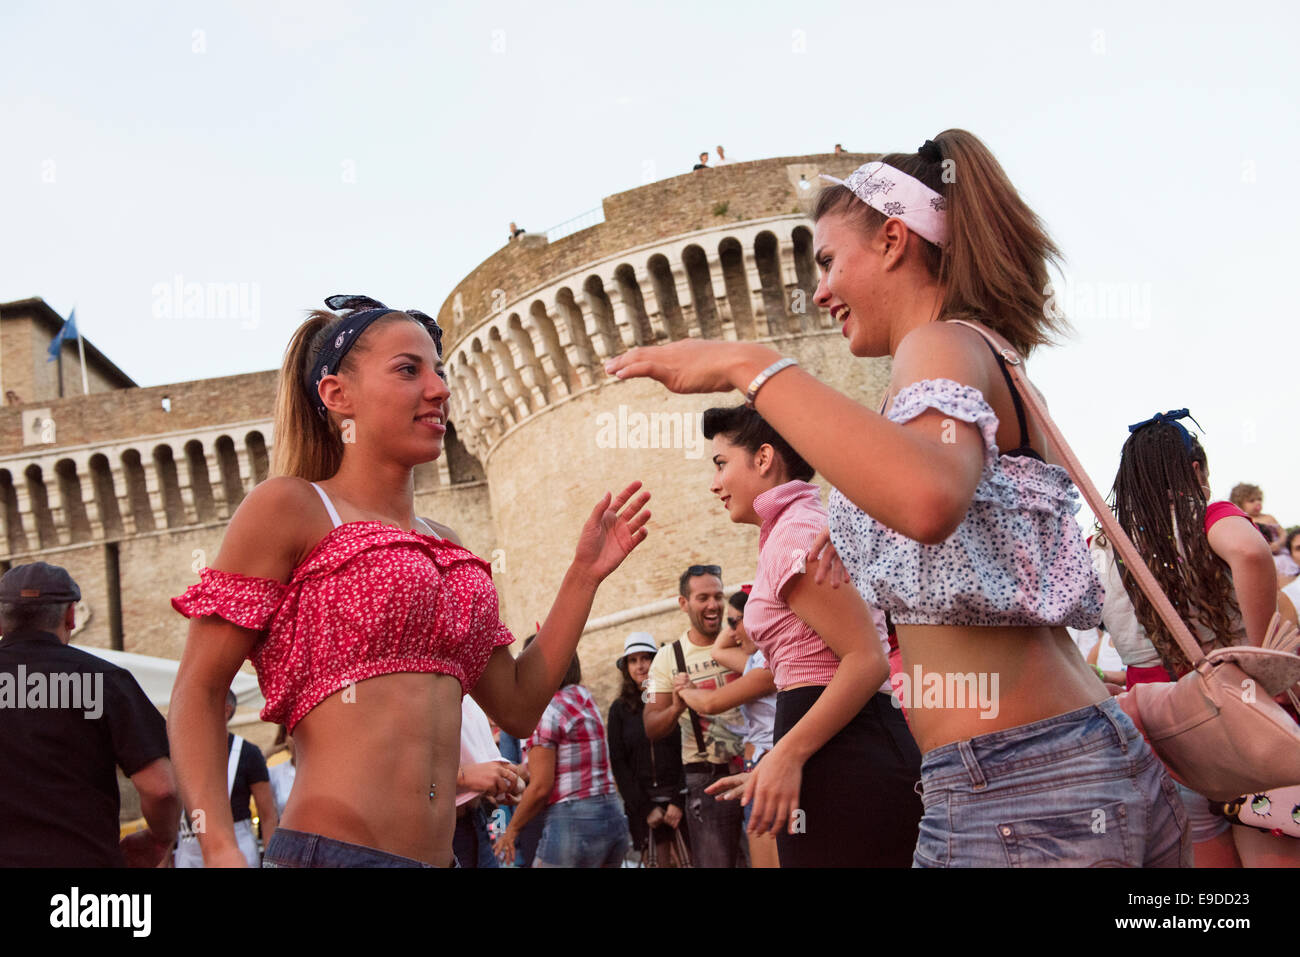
(365, 623)
(974, 552)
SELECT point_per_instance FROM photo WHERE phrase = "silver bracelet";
(752, 392)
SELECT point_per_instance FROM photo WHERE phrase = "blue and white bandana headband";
(895, 194)
(331, 357)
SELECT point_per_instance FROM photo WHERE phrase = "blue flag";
(69, 332)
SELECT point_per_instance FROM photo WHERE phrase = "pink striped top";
(792, 515)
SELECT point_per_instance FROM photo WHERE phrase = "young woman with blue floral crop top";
(975, 554)
(366, 624)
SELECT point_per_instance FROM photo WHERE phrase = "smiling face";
(740, 477)
(703, 604)
(851, 283)
(391, 400)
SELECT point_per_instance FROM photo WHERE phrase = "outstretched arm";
(541, 771)
(917, 478)
(746, 688)
(515, 691)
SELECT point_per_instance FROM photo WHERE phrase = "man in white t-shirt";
(711, 745)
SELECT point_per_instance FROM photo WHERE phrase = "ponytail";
(306, 445)
(994, 267)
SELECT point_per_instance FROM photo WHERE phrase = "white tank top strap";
(329, 506)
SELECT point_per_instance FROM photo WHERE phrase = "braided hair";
(1156, 495)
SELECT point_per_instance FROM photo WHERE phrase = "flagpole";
(81, 351)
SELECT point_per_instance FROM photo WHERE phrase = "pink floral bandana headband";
(894, 193)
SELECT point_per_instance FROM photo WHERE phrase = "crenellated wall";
(752, 280)
(703, 201)
(719, 254)
(135, 520)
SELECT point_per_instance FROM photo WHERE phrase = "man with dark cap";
(68, 719)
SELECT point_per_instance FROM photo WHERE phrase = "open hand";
(730, 787)
(773, 789)
(504, 848)
(694, 365)
(828, 560)
(614, 528)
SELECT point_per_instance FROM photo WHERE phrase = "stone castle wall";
(693, 202)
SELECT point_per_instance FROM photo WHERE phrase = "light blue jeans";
(584, 832)
(1082, 789)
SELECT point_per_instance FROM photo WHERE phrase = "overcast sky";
(307, 148)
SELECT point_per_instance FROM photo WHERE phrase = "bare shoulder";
(271, 529)
(942, 350)
(277, 497)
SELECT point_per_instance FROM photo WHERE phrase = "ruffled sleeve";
(953, 399)
(240, 599)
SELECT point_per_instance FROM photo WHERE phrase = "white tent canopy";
(157, 676)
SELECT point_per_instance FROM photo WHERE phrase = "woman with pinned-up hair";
(836, 787)
(365, 623)
(949, 516)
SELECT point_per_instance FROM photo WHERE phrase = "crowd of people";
(786, 725)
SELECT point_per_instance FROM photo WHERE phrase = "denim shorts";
(1204, 824)
(301, 849)
(584, 832)
(1081, 789)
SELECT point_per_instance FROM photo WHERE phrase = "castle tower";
(719, 254)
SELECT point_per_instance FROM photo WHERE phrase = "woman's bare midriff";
(1021, 675)
(367, 757)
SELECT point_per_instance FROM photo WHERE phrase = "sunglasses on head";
(704, 570)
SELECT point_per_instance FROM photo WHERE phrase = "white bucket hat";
(637, 641)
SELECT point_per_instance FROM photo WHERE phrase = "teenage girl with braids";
(974, 552)
(1216, 569)
(366, 624)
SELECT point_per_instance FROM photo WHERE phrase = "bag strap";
(1116, 536)
(232, 764)
(695, 718)
(683, 850)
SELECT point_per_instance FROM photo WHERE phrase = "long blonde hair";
(994, 267)
(306, 445)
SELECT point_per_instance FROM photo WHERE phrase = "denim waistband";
(289, 848)
(982, 760)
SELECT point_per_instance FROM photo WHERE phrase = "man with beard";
(711, 746)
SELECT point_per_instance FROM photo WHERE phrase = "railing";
(591, 217)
